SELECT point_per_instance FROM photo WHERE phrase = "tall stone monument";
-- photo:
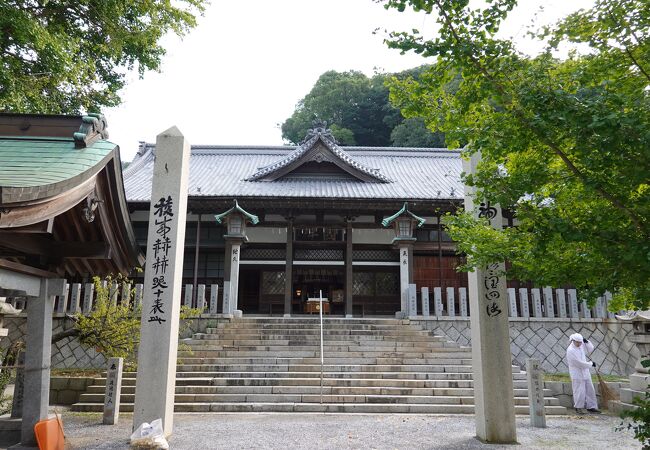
(491, 358)
(156, 378)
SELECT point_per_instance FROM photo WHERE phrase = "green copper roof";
(32, 161)
(251, 217)
(405, 210)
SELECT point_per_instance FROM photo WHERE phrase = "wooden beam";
(24, 269)
(38, 245)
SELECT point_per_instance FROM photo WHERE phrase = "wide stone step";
(96, 393)
(276, 338)
(328, 347)
(315, 326)
(386, 408)
(299, 365)
(316, 398)
(314, 354)
(216, 369)
(316, 332)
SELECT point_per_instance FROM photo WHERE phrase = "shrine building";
(358, 223)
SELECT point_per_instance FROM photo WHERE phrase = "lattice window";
(375, 255)
(324, 254)
(386, 283)
(273, 283)
(363, 283)
(263, 254)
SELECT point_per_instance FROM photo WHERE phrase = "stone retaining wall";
(541, 338)
(548, 339)
(66, 390)
(564, 393)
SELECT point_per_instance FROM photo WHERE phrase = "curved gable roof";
(318, 146)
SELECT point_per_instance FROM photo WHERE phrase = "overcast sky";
(239, 74)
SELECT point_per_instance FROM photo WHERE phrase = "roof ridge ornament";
(319, 128)
(93, 128)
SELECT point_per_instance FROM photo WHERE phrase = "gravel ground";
(338, 431)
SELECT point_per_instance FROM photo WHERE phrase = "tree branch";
(521, 116)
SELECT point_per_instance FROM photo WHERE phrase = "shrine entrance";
(307, 284)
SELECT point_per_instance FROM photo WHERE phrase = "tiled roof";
(222, 171)
(305, 147)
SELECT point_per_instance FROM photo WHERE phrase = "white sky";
(239, 74)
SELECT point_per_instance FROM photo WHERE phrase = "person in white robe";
(584, 395)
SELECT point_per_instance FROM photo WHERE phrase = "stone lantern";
(640, 379)
(236, 219)
(404, 222)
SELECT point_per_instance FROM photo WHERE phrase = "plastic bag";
(149, 435)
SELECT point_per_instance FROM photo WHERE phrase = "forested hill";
(358, 111)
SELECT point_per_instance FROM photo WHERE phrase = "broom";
(606, 393)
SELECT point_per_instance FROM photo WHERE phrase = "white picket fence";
(536, 303)
(449, 302)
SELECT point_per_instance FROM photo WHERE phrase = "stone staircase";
(273, 365)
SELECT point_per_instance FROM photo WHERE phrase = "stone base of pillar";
(238, 313)
(287, 316)
(639, 381)
(400, 315)
(348, 316)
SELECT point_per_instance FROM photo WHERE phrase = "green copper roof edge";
(405, 209)
(251, 217)
(36, 138)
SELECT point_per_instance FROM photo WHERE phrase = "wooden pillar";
(288, 270)
(348, 268)
(196, 260)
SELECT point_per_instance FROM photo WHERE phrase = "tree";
(357, 109)
(565, 142)
(413, 132)
(64, 56)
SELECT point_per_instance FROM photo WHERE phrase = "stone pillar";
(62, 301)
(214, 298)
(523, 302)
(573, 304)
(405, 250)
(38, 357)
(561, 303)
(462, 296)
(235, 254)
(126, 294)
(19, 387)
(227, 308)
(451, 302)
(156, 378)
(113, 391)
(548, 302)
(200, 297)
(512, 298)
(537, 302)
(437, 301)
(413, 301)
(348, 268)
(535, 377)
(89, 293)
(491, 357)
(75, 297)
(187, 298)
(137, 296)
(288, 270)
(425, 301)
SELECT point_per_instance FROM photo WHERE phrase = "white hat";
(576, 337)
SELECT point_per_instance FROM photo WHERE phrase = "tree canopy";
(358, 111)
(565, 142)
(64, 57)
